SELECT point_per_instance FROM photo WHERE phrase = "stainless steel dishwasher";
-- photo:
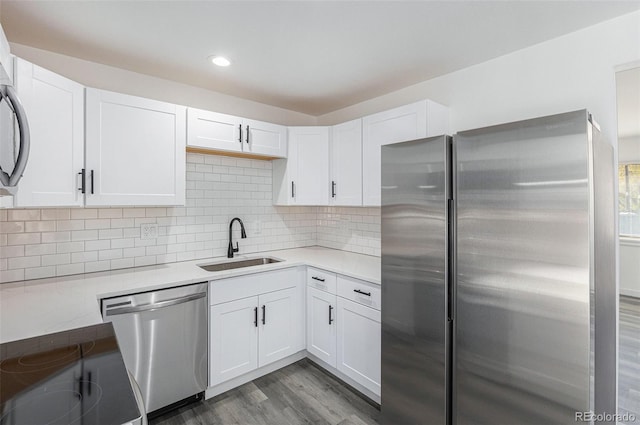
(163, 339)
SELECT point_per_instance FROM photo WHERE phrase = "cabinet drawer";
(319, 279)
(235, 288)
(359, 291)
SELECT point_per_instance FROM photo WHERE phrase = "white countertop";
(38, 307)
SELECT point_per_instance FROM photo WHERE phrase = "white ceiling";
(306, 56)
(628, 102)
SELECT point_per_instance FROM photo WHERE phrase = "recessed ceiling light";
(220, 61)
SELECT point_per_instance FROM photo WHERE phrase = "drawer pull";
(368, 294)
(317, 278)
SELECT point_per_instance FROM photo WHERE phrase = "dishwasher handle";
(155, 306)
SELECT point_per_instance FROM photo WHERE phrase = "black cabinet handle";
(293, 189)
(317, 278)
(333, 189)
(92, 182)
(368, 294)
(247, 134)
(83, 180)
(330, 317)
(240, 136)
(255, 316)
(264, 314)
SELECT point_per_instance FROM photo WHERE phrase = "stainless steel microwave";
(14, 128)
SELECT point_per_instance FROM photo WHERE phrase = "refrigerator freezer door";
(415, 190)
(523, 272)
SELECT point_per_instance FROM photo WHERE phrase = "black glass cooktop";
(71, 377)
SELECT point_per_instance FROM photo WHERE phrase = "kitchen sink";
(216, 267)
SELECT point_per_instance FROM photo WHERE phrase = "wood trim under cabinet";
(233, 154)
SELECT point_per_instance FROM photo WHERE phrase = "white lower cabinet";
(278, 327)
(234, 339)
(321, 325)
(359, 343)
(343, 326)
(257, 320)
(248, 333)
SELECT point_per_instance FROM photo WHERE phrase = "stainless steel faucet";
(243, 234)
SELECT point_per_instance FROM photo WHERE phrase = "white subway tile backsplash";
(84, 235)
(23, 215)
(84, 257)
(102, 223)
(12, 227)
(110, 234)
(349, 229)
(83, 240)
(55, 259)
(11, 251)
(40, 249)
(62, 225)
(84, 214)
(97, 244)
(23, 238)
(50, 237)
(23, 262)
(132, 212)
(110, 254)
(110, 213)
(56, 214)
(124, 263)
(67, 269)
(97, 266)
(39, 226)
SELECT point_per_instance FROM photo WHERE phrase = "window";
(629, 199)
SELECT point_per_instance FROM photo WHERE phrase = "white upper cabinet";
(346, 164)
(409, 122)
(135, 150)
(263, 138)
(211, 130)
(5, 59)
(55, 109)
(303, 179)
(221, 132)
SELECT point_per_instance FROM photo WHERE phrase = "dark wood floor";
(297, 394)
(629, 358)
(304, 394)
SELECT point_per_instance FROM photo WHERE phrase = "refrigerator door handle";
(451, 271)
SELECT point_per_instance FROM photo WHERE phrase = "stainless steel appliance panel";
(415, 190)
(605, 310)
(522, 351)
(163, 338)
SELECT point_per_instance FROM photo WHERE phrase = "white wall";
(571, 72)
(629, 267)
(106, 77)
(629, 149)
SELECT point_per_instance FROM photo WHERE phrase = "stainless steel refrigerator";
(498, 275)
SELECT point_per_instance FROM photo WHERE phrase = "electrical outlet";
(148, 231)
